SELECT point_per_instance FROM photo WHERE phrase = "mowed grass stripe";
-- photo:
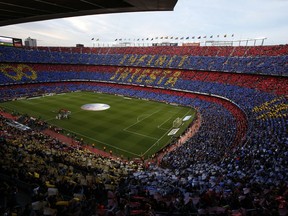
(131, 127)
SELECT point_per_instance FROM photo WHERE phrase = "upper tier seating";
(254, 64)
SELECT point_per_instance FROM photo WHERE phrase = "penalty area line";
(138, 121)
(123, 150)
(162, 136)
(148, 115)
(160, 126)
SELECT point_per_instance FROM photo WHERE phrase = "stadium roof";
(20, 11)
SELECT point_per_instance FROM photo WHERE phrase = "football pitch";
(128, 127)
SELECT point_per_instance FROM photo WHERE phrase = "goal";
(177, 122)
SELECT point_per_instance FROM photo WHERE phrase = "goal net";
(177, 122)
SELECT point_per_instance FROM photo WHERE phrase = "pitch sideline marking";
(12, 109)
(154, 138)
(123, 150)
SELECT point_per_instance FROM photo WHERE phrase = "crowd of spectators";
(240, 51)
(253, 64)
(42, 176)
(234, 165)
(143, 76)
(205, 176)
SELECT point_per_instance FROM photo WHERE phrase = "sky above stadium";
(204, 20)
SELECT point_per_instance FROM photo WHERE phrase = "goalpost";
(176, 127)
(177, 122)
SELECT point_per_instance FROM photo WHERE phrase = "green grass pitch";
(131, 127)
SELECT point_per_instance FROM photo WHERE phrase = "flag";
(92, 39)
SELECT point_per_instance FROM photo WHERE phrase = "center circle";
(95, 107)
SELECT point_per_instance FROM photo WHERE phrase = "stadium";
(155, 130)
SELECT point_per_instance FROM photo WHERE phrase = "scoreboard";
(9, 41)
